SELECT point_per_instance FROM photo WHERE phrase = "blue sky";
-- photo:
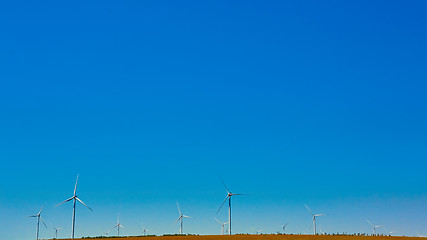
(293, 103)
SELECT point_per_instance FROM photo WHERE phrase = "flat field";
(267, 237)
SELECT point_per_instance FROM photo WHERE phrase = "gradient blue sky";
(292, 102)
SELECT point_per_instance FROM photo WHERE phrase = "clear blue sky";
(292, 102)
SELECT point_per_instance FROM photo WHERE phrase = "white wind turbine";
(39, 218)
(74, 198)
(320, 229)
(229, 195)
(56, 231)
(181, 217)
(144, 230)
(374, 228)
(118, 226)
(314, 217)
(222, 225)
(388, 231)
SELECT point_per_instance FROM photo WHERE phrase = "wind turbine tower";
(39, 218)
(74, 198)
(181, 217)
(314, 217)
(229, 195)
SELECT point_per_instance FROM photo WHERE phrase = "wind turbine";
(74, 198)
(39, 217)
(374, 227)
(284, 227)
(314, 217)
(118, 226)
(144, 230)
(320, 229)
(181, 217)
(388, 231)
(222, 225)
(229, 195)
(56, 231)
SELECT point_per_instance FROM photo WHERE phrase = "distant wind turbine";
(284, 227)
(39, 218)
(388, 231)
(320, 229)
(314, 217)
(144, 230)
(374, 228)
(181, 217)
(222, 225)
(118, 226)
(74, 198)
(229, 195)
(56, 231)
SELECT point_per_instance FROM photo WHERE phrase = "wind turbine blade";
(370, 223)
(226, 189)
(71, 198)
(75, 187)
(218, 221)
(222, 205)
(238, 194)
(40, 211)
(186, 216)
(322, 214)
(34, 216)
(78, 199)
(378, 226)
(122, 226)
(43, 222)
(179, 210)
(309, 209)
(109, 230)
(179, 218)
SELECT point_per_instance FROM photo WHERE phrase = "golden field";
(266, 237)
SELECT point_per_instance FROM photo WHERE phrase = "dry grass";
(267, 237)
